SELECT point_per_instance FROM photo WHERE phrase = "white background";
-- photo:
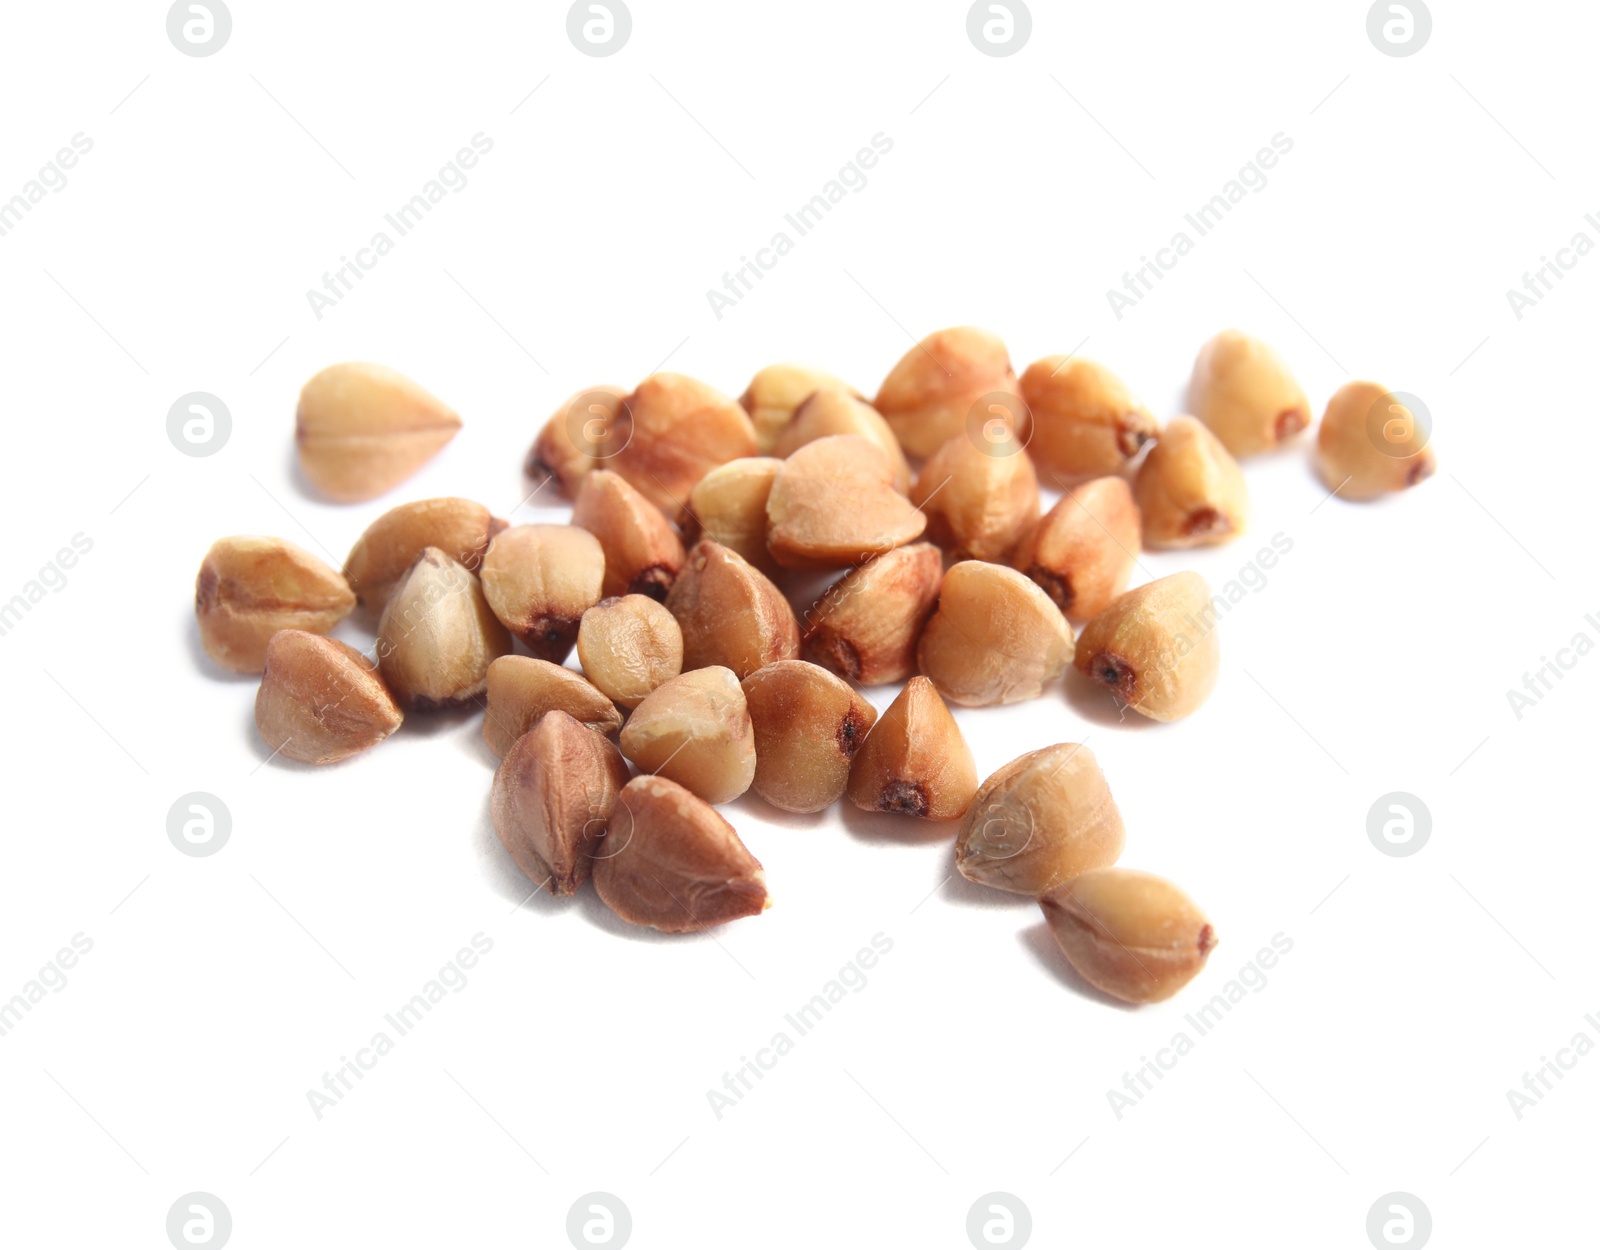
(1376, 658)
